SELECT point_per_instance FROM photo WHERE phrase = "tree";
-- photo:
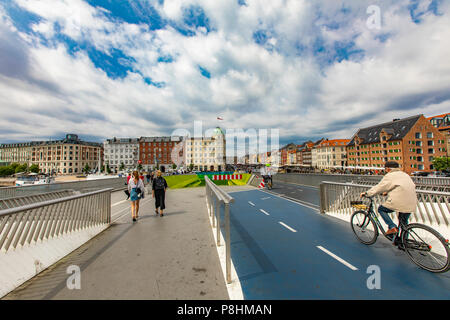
(34, 168)
(139, 167)
(21, 168)
(108, 169)
(174, 166)
(86, 168)
(122, 166)
(441, 163)
(191, 167)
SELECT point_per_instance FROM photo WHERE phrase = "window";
(431, 150)
(418, 135)
(430, 142)
(430, 135)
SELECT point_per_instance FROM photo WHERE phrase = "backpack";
(160, 183)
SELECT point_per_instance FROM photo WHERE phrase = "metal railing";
(433, 206)
(314, 179)
(16, 191)
(215, 198)
(26, 200)
(419, 185)
(53, 218)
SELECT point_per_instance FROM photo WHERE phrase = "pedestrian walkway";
(171, 257)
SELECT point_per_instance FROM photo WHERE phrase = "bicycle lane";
(311, 256)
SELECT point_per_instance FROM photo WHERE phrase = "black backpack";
(160, 183)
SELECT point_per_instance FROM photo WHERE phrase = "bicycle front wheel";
(426, 248)
(364, 227)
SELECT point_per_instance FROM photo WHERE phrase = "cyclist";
(266, 173)
(401, 195)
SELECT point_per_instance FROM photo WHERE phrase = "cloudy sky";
(130, 68)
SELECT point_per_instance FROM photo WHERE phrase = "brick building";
(157, 151)
(442, 123)
(413, 142)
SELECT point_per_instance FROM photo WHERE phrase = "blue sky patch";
(204, 72)
(195, 17)
(22, 19)
(131, 11)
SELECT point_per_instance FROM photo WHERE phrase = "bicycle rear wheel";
(426, 248)
(364, 227)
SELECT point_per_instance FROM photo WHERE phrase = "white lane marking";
(337, 258)
(287, 227)
(117, 203)
(296, 201)
(265, 198)
(251, 203)
(264, 212)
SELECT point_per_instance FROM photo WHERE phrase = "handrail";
(24, 200)
(6, 192)
(433, 207)
(53, 218)
(215, 198)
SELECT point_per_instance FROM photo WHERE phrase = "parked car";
(437, 174)
(420, 173)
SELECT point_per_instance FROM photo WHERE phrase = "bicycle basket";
(358, 205)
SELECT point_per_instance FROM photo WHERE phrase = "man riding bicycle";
(401, 195)
(266, 174)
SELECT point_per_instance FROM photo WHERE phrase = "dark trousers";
(160, 196)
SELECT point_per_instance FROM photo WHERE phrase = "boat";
(26, 179)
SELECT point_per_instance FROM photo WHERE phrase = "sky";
(131, 68)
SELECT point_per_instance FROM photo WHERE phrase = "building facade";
(413, 142)
(155, 152)
(331, 154)
(442, 123)
(66, 156)
(121, 154)
(206, 153)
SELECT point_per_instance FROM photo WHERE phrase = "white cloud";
(250, 86)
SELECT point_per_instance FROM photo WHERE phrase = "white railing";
(433, 206)
(18, 191)
(28, 224)
(215, 198)
(26, 200)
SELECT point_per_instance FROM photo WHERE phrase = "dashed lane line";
(287, 227)
(338, 258)
(265, 212)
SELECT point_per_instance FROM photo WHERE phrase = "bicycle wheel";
(364, 227)
(426, 248)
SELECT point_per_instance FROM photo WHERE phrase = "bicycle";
(267, 182)
(426, 247)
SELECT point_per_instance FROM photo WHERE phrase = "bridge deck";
(285, 250)
(170, 257)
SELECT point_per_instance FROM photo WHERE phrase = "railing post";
(227, 242)
(218, 224)
(322, 198)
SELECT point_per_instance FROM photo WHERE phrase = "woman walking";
(159, 193)
(136, 189)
